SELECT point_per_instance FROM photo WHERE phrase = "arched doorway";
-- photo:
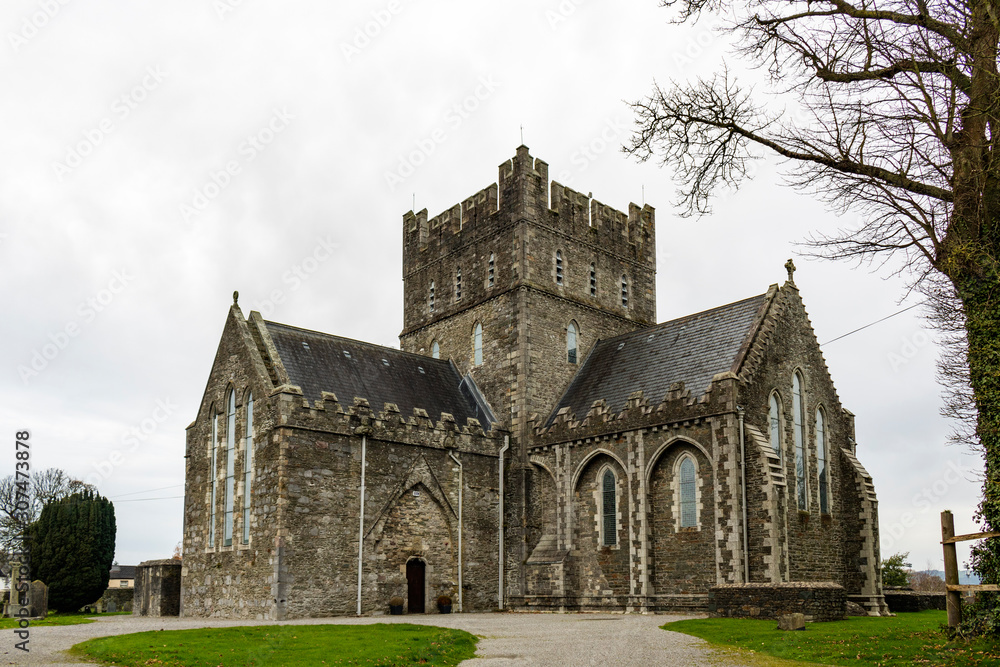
(415, 587)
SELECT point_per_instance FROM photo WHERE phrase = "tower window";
(608, 509)
(477, 345)
(624, 291)
(436, 350)
(593, 280)
(458, 284)
(559, 268)
(492, 273)
(571, 343)
(430, 300)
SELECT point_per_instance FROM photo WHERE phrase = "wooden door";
(415, 586)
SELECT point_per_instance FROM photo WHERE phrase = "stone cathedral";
(538, 442)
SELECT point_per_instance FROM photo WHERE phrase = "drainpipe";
(743, 488)
(506, 445)
(361, 520)
(455, 459)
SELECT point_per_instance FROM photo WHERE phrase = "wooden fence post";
(951, 568)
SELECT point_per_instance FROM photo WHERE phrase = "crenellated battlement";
(389, 424)
(522, 189)
(676, 407)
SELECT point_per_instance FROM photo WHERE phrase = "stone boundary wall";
(157, 588)
(122, 598)
(818, 601)
(915, 601)
(686, 604)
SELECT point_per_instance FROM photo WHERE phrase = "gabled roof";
(691, 350)
(123, 571)
(318, 362)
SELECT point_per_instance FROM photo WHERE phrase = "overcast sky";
(157, 156)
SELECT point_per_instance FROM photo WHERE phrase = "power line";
(122, 495)
(898, 312)
(140, 500)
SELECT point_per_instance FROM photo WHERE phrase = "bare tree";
(44, 487)
(900, 101)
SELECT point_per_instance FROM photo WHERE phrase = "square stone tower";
(516, 283)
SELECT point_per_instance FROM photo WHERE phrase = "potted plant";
(396, 605)
(444, 604)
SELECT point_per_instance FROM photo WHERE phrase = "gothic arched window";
(824, 474)
(247, 468)
(571, 343)
(477, 345)
(213, 474)
(688, 494)
(608, 523)
(436, 350)
(774, 419)
(227, 536)
(799, 429)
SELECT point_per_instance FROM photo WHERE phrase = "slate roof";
(123, 571)
(319, 362)
(691, 350)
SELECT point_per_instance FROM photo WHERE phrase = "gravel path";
(508, 639)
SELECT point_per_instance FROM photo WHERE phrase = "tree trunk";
(980, 294)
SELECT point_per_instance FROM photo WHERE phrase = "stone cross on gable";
(790, 267)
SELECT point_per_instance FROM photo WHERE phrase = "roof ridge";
(359, 342)
(677, 320)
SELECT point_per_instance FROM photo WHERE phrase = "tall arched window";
(430, 297)
(227, 535)
(492, 273)
(688, 493)
(436, 350)
(593, 280)
(559, 267)
(608, 510)
(477, 345)
(247, 468)
(624, 290)
(824, 485)
(571, 343)
(213, 474)
(774, 417)
(799, 429)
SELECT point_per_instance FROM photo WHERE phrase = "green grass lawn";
(379, 645)
(907, 639)
(56, 618)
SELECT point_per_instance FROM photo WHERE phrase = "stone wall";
(157, 588)
(901, 600)
(122, 597)
(818, 601)
(301, 558)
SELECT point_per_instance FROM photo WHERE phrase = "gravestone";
(112, 608)
(792, 622)
(39, 599)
